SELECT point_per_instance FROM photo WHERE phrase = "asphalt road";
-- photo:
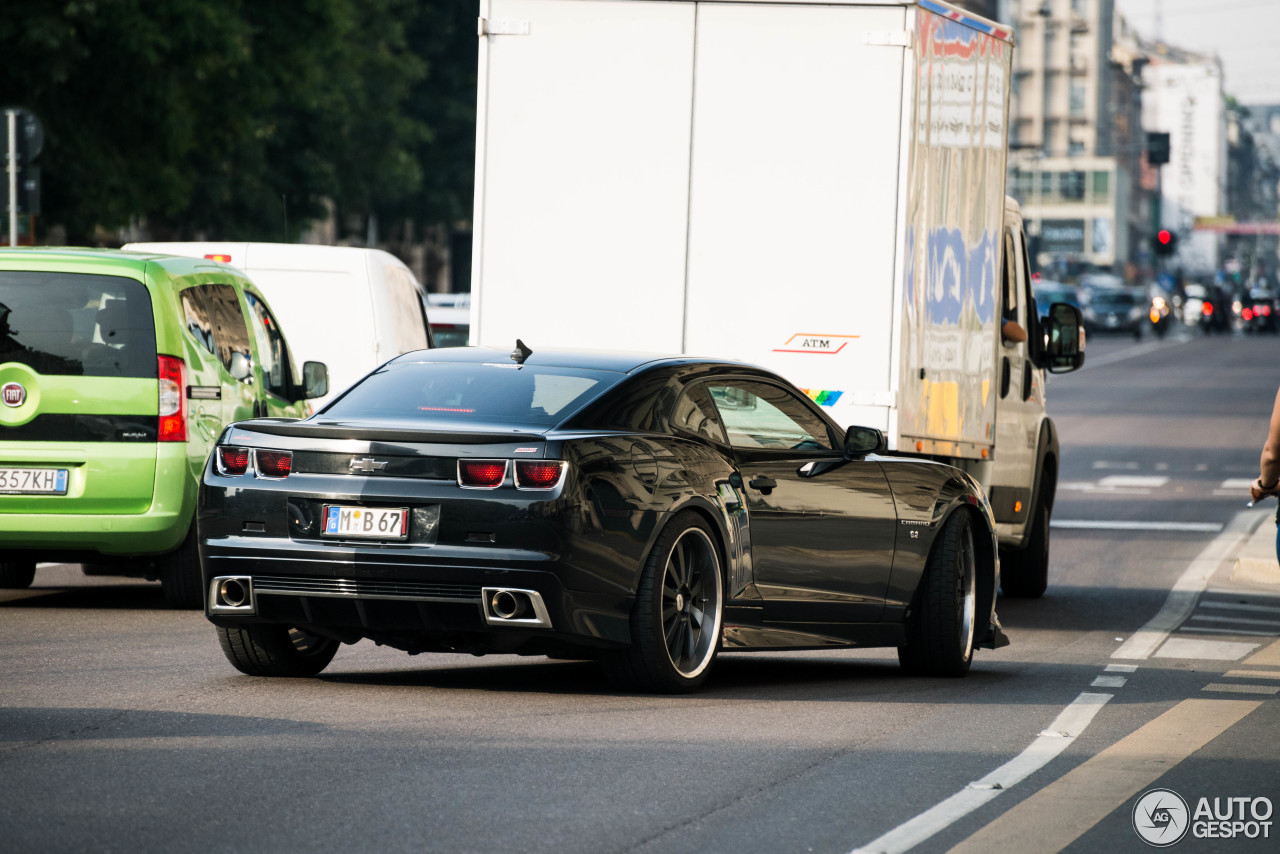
(122, 727)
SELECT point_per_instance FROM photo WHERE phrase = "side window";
(272, 353)
(695, 413)
(195, 315)
(230, 334)
(758, 415)
(1027, 296)
(1009, 279)
(410, 320)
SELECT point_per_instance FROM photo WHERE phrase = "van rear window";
(76, 324)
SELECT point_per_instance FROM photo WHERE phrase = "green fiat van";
(118, 371)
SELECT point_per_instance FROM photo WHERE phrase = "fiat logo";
(13, 394)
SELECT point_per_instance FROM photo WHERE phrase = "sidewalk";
(1255, 563)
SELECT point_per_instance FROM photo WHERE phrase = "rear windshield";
(73, 324)
(1119, 298)
(473, 392)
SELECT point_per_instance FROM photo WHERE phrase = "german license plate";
(373, 523)
(33, 481)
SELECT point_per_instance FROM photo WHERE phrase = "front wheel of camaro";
(676, 621)
(273, 650)
(940, 633)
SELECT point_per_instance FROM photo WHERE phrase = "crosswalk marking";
(1224, 688)
(1061, 812)
(1242, 606)
(1251, 674)
(1246, 621)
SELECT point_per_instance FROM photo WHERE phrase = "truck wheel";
(17, 574)
(1024, 573)
(180, 577)
(940, 634)
(274, 650)
(675, 624)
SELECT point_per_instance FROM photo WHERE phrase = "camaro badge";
(368, 464)
(13, 394)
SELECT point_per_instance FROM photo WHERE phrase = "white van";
(348, 307)
(450, 319)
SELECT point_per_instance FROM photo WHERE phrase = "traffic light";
(1165, 242)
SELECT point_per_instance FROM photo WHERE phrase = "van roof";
(81, 257)
(278, 256)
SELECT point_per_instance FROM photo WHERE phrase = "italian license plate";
(33, 481)
(373, 523)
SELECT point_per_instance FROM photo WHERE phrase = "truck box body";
(816, 188)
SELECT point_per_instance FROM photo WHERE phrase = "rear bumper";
(399, 597)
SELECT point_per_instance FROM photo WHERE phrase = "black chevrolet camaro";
(643, 511)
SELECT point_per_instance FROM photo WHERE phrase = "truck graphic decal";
(810, 342)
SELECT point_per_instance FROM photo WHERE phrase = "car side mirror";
(315, 380)
(1064, 338)
(860, 441)
(241, 368)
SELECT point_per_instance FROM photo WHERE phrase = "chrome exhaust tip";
(506, 606)
(232, 594)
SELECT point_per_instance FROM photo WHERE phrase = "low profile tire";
(180, 577)
(676, 621)
(941, 631)
(1024, 574)
(272, 650)
(17, 574)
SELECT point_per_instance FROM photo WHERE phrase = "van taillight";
(539, 474)
(219, 257)
(274, 463)
(232, 461)
(481, 474)
(173, 403)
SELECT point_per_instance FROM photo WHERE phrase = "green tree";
(222, 117)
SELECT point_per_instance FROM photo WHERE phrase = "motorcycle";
(1159, 314)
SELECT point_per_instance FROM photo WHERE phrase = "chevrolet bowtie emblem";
(368, 464)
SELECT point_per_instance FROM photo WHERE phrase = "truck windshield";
(75, 324)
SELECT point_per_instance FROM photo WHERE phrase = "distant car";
(350, 307)
(1206, 306)
(1259, 311)
(118, 371)
(645, 511)
(1047, 293)
(450, 319)
(1115, 310)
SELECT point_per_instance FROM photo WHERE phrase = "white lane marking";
(1241, 606)
(1108, 682)
(1182, 598)
(1133, 481)
(1109, 525)
(1090, 486)
(1237, 483)
(1247, 621)
(1251, 674)
(1271, 690)
(1205, 650)
(1206, 630)
(1062, 732)
(1109, 465)
(1134, 351)
(1122, 668)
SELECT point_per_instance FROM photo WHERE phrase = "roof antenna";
(521, 352)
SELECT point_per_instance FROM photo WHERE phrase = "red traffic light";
(1164, 236)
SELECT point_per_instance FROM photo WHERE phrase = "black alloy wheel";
(275, 650)
(676, 621)
(943, 623)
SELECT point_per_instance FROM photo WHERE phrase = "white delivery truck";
(814, 187)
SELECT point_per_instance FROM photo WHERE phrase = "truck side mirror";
(860, 441)
(315, 380)
(1063, 338)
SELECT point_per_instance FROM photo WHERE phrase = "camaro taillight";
(539, 474)
(274, 463)
(481, 474)
(173, 404)
(232, 461)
